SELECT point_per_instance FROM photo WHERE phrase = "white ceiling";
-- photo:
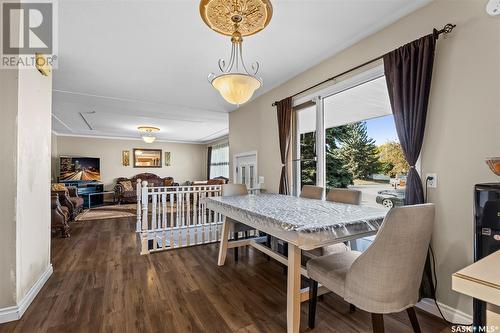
(123, 64)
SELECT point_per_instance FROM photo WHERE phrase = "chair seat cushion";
(129, 194)
(76, 201)
(331, 270)
(326, 250)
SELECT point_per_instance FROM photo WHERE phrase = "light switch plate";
(431, 179)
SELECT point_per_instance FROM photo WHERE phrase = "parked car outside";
(391, 198)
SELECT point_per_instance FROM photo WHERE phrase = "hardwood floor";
(101, 284)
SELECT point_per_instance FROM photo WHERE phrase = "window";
(219, 161)
(354, 128)
(306, 145)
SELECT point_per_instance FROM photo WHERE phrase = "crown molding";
(137, 139)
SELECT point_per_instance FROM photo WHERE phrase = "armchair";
(68, 197)
(59, 216)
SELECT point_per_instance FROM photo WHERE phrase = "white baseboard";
(451, 314)
(12, 313)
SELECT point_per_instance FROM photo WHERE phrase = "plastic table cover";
(303, 216)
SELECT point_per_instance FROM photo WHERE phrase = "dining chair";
(308, 192)
(386, 277)
(311, 192)
(229, 190)
(344, 195)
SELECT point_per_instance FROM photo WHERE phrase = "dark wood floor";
(101, 284)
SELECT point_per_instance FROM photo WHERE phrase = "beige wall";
(8, 165)
(462, 126)
(26, 99)
(188, 160)
(33, 178)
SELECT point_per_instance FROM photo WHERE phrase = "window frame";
(360, 77)
(220, 145)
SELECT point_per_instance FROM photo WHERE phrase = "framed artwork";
(147, 158)
(126, 158)
(168, 158)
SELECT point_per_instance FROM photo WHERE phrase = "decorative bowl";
(494, 164)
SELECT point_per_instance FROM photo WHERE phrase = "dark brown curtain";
(284, 108)
(408, 72)
(209, 161)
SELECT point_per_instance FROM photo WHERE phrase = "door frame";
(247, 153)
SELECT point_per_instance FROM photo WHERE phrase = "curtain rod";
(446, 30)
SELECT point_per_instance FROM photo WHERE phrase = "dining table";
(304, 224)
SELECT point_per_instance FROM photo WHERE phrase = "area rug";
(117, 211)
(108, 212)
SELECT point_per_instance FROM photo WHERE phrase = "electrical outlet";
(431, 179)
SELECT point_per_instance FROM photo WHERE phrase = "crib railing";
(170, 217)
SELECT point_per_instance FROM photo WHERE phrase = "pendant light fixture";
(147, 133)
(236, 18)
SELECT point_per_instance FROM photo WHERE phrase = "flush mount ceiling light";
(147, 133)
(236, 18)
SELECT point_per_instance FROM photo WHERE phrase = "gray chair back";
(312, 192)
(386, 277)
(230, 190)
(344, 195)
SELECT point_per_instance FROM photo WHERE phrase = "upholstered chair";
(340, 195)
(230, 190)
(312, 192)
(75, 199)
(69, 198)
(386, 277)
(59, 216)
(344, 195)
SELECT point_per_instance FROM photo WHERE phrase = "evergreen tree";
(358, 151)
(307, 158)
(337, 175)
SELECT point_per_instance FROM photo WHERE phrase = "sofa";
(69, 198)
(125, 188)
(59, 216)
(213, 181)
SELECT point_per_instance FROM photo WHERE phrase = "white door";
(245, 169)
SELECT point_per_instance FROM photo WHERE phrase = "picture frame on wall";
(168, 158)
(147, 158)
(125, 157)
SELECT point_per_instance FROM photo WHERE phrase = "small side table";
(100, 193)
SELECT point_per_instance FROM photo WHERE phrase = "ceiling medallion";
(251, 16)
(237, 18)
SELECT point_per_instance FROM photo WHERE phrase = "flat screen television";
(79, 169)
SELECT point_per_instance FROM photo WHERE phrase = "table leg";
(223, 242)
(293, 290)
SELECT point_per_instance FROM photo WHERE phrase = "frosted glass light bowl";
(494, 164)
